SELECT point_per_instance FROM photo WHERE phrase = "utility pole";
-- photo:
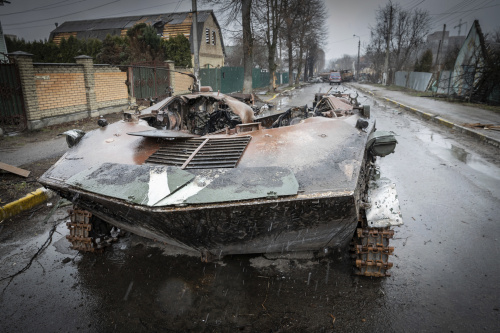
(195, 47)
(459, 26)
(441, 42)
(357, 67)
(386, 65)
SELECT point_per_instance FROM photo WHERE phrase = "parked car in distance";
(335, 78)
(315, 80)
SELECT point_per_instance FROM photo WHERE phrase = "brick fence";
(58, 93)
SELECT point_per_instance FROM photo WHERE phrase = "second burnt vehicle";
(200, 172)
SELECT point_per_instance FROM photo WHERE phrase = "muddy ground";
(138, 285)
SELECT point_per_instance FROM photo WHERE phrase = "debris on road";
(483, 126)
(14, 170)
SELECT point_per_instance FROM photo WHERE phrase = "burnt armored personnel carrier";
(200, 172)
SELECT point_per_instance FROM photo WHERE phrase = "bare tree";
(270, 16)
(406, 34)
(246, 9)
(410, 31)
(291, 16)
(346, 62)
(234, 54)
(312, 56)
(311, 23)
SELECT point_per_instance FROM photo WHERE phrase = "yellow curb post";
(29, 201)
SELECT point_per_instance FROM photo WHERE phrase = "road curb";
(29, 201)
(439, 120)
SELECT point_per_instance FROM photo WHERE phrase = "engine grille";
(199, 153)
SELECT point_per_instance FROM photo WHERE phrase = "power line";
(69, 14)
(176, 7)
(416, 5)
(142, 8)
(409, 4)
(35, 26)
(106, 16)
(45, 7)
(343, 40)
(456, 12)
(473, 10)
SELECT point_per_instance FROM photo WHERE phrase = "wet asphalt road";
(444, 279)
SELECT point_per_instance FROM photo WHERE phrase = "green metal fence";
(230, 79)
(149, 82)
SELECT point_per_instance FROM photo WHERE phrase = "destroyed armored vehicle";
(201, 172)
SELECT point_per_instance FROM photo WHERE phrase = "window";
(213, 37)
(207, 36)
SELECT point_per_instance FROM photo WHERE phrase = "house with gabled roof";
(210, 42)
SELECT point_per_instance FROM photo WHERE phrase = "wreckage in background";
(199, 172)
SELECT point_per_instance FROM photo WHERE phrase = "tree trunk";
(273, 22)
(247, 46)
(272, 68)
(290, 60)
(306, 67)
(301, 61)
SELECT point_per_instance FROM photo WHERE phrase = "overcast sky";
(34, 19)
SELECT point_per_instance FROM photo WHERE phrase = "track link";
(372, 251)
(80, 227)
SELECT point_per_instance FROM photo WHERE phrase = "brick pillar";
(88, 75)
(24, 63)
(171, 67)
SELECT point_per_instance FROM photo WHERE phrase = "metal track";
(80, 228)
(372, 251)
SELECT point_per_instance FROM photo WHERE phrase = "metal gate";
(149, 83)
(230, 79)
(12, 113)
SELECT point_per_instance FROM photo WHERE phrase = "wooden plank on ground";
(16, 170)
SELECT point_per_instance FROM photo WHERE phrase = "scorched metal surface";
(294, 188)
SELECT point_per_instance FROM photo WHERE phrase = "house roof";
(126, 22)
(99, 28)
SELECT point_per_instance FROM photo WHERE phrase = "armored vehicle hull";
(249, 189)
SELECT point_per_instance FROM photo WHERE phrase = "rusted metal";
(193, 154)
(243, 128)
(80, 227)
(86, 232)
(297, 185)
(164, 134)
(333, 107)
(372, 250)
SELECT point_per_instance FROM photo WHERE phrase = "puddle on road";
(442, 147)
